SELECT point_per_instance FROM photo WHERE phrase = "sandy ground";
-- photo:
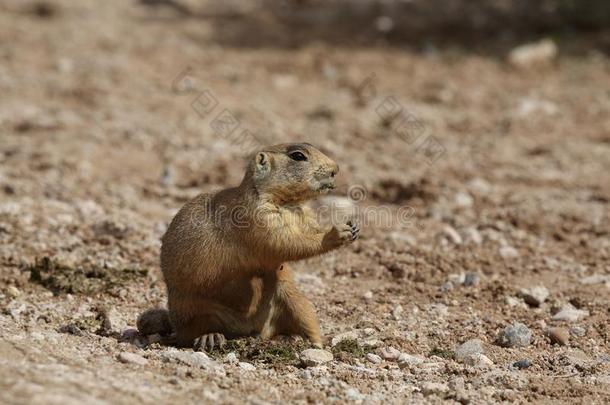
(490, 180)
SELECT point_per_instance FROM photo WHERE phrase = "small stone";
(472, 235)
(193, 359)
(373, 358)
(13, 291)
(570, 314)
(389, 353)
(246, 366)
(534, 296)
(463, 199)
(231, 358)
(534, 54)
(353, 394)
(578, 331)
(471, 279)
(407, 360)
(127, 357)
(430, 388)
(397, 312)
(452, 235)
(480, 361)
(508, 252)
(368, 295)
(596, 279)
(516, 335)
(522, 364)
(466, 350)
(315, 357)
(558, 336)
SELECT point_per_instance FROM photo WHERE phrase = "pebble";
(373, 358)
(407, 360)
(533, 54)
(353, 394)
(463, 199)
(389, 353)
(127, 357)
(578, 331)
(558, 336)
(534, 296)
(472, 235)
(315, 357)
(471, 279)
(246, 366)
(452, 235)
(112, 321)
(516, 335)
(508, 252)
(570, 314)
(397, 312)
(468, 349)
(430, 388)
(13, 291)
(596, 279)
(479, 360)
(231, 358)
(522, 364)
(193, 359)
(368, 295)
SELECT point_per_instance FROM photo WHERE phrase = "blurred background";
(489, 121)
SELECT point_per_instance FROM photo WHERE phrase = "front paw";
(209, 342)
(343, 234)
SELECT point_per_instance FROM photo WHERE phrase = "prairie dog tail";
(154, 321)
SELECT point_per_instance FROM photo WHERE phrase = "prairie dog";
(224, 255)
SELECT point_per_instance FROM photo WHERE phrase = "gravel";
(570, 314)
(516, 335)
(467, 350)
(127, 357)
(315, 357)
(534, 296)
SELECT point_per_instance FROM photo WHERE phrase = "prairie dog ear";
(262, 165)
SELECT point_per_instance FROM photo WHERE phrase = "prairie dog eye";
(298, 156)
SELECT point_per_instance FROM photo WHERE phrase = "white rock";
(127, 357)
(595, 279)
(373, 358)
(452, 235)
(231, 358)
(430, 388)
(463, 200)
(479, 360)
(570, 314)
(468, 349)
(407, 360)
(368, 295)
(534, 296)
(13, 291)
(193, 359)
(315, 357)
(397, 312)
(246, 366)
(389, 353)
(472, 235)
(508, 252)
(533, 54)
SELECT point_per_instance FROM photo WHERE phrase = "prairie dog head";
(292, 172)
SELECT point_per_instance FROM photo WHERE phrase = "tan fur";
(223, 255)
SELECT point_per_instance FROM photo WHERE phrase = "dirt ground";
(491, 179)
